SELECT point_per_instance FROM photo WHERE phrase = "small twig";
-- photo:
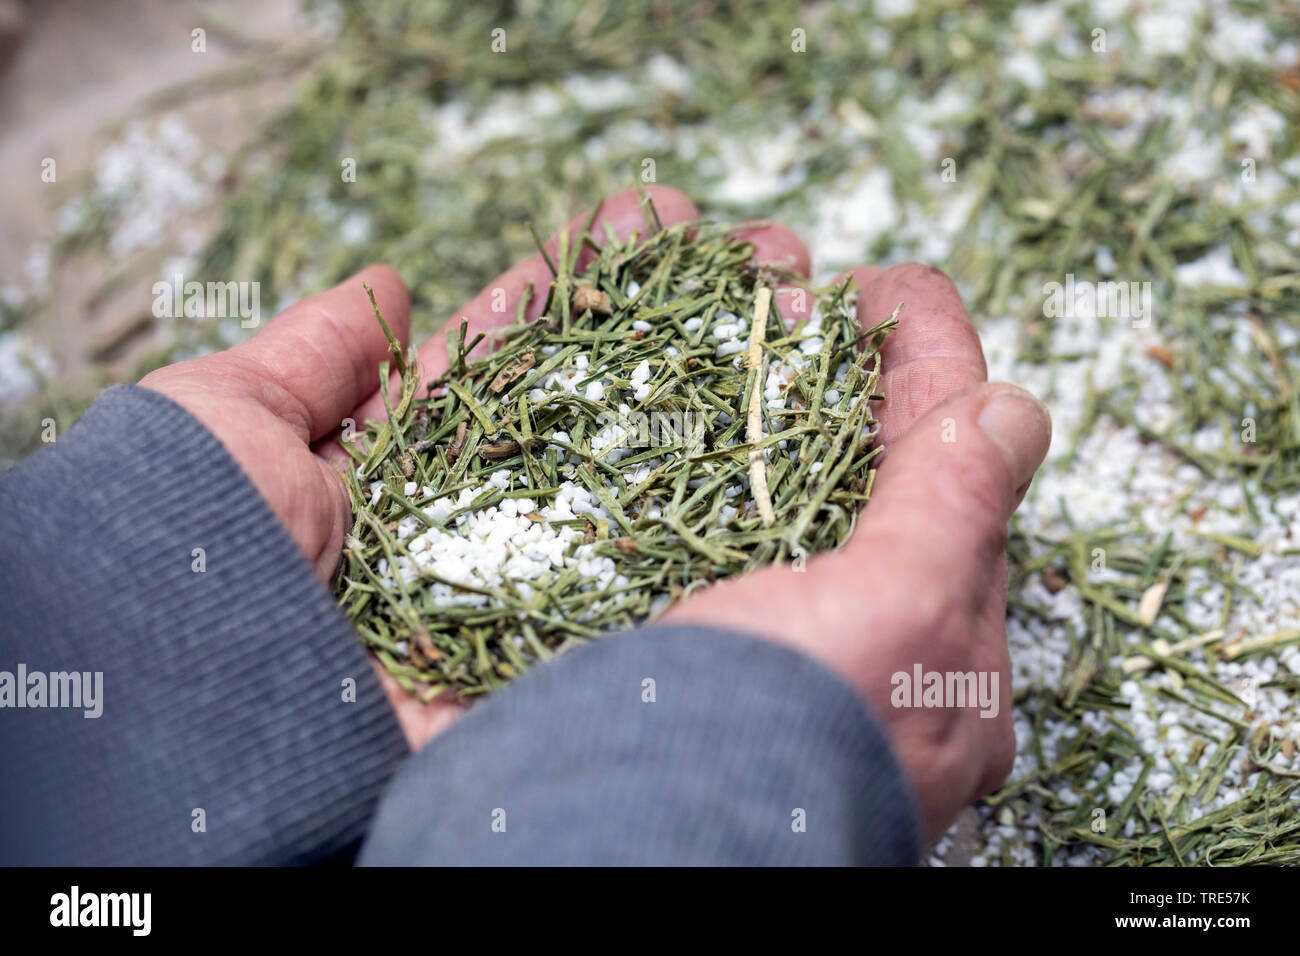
(393, 345)
(754, 425)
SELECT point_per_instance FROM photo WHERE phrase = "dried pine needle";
(658, 428)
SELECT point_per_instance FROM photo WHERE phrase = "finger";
(862, 276)
(943, 495)
(420, 720)
(315, 361)
(775, 245)
(934, 351)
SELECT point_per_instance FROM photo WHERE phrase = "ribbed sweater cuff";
(228, 732)
(674, 745)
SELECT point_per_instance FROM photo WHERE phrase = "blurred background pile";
(1156, 564)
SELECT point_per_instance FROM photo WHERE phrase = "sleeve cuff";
(241, 722)
(674, 745)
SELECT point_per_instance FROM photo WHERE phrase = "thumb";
(945, 490)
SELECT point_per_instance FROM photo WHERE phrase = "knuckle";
(918, 273)
(270, 394)
(929, 381)
(1002, 755)
(979, 485)
(389, 275)
(672, 202)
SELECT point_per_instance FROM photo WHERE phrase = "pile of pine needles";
(791, 479)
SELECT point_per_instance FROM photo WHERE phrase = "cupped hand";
(278, 400)
(922, 582)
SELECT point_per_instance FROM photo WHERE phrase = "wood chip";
(513, 370)
(587, 296)
(1161, 355)
(501, 449)
(454, 449)
(1149, 606)
(504, 449)
(423, 643)
(1053, 580)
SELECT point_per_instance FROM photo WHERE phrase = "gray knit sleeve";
(674, 745)
(226, 714)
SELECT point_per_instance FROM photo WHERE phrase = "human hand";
(923, 579)
(277, 401)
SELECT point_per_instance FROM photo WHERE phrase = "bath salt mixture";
(661, 426)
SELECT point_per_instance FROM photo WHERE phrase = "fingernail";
(1020, 425)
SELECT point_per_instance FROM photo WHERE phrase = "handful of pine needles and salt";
(661, 426)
